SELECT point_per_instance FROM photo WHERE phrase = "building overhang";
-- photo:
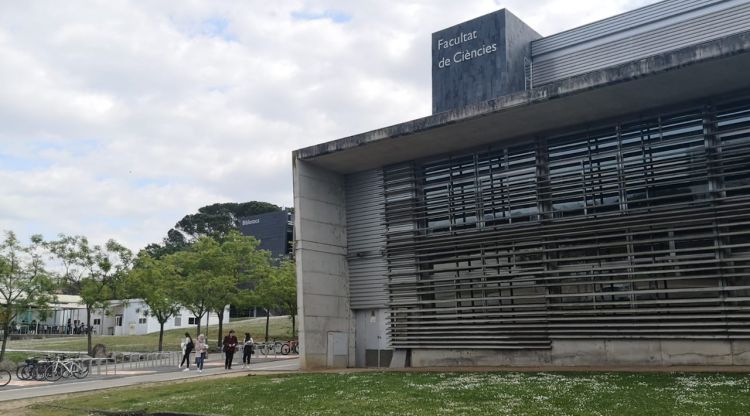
(712, 68)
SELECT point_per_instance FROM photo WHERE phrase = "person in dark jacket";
(247, 350)
(187, 347)
(229, 346)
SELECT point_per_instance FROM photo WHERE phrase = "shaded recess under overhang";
(713, 68)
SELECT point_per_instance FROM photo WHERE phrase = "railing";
(130, 361)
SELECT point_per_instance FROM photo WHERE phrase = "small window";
(97, 321)
(178, 320)
(141, 320)
(118, 320)
(191, 321)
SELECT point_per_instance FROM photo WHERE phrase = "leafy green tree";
(263, 296)
(284, 286)
(198, 284)
(174, 242)
(240, 267)
(155, 281)
(216, 220)
(278, 290)
(95, 272)
(24, 282)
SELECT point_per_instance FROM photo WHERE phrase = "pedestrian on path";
(247, 350)
(201, 352)
(187, 347)
(229, 347)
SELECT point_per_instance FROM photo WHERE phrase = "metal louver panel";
(635, 230)
(621, 23)
(366, 240)
(555, 59)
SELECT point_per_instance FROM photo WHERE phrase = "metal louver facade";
(366, 240)
(632, 230)
(648, 31)
(602, 217)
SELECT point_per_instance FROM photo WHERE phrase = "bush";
(8, 365)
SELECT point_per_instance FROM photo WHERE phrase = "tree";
(263, 296)
(197, 284)
(174, 242)
(278, 289)
(214, 275)
(24, 282)
(94, 272)
(240, 267)
(284, 284)
(216, 221)
(155, 281)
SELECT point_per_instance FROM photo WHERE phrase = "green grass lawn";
(280, 328)
(434, 394)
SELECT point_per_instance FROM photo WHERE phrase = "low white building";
(67, 315)
(132, 317)
(64, 315)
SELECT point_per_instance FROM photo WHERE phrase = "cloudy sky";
(119, 117)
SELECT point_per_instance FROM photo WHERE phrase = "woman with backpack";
(187, 347)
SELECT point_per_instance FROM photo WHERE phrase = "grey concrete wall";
(636, 353)
(460, 78)
(326, 322)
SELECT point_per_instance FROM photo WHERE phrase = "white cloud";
(119, 117)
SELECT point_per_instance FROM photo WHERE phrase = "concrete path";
(125, 378)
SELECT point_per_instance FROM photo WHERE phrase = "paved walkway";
(124, 378)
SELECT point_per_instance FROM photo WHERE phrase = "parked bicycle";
(4, 378)
(290, 347)
(52, 368)
(271, 347)
(33, 369)
(66, 367)
(279, 347)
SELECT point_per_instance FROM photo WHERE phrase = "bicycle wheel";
(4, 377)
(277, 347)
(22, 372)
(79, 370)
(53, 373)
(285, 349)
(38, 372)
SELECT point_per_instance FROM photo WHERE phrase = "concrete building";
(576, 199)
(272, 229)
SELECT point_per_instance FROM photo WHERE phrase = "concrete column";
(326, 326)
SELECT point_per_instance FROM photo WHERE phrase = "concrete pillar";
(326, 325)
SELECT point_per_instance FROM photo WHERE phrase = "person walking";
(187, 347)
(247, 350)
(229, 347)
(201, 352)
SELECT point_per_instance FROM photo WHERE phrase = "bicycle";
(290, 347)
(4, 378)
(63, 367)
(33, 369)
